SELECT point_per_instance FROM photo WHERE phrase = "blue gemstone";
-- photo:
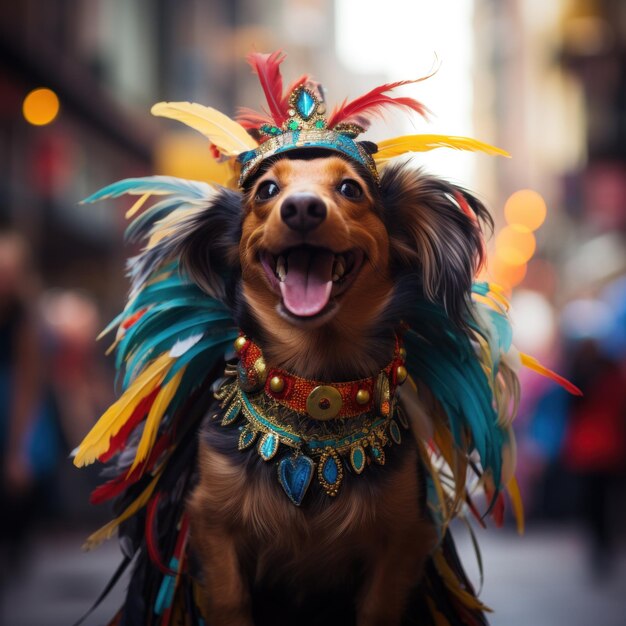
(330, 471)
(294, 475)
(268, 446)
(305, 104)
(357, 458)
(246, 438)
(231, 415)
(394, 431)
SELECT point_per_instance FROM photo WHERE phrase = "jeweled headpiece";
(296, 119)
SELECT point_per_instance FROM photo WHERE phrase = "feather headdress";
(295, 119)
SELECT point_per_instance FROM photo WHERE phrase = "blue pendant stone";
(378, 454)
(231, 414)
(394, 431)
(246, 438)
(330, 471)
(294, 475)
(305, 103)
(268, 446)
(357, 459)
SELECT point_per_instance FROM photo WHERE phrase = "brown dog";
(323, 219)
(309, 475)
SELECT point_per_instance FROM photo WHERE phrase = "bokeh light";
(526, 208)
(41, 106)
(533, 319)
(504, 274)
(515, 244)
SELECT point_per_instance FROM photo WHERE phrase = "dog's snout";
(303, 211)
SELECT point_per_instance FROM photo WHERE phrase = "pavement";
(540, 579)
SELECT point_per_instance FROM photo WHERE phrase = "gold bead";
(362, 396)
(240, 342)
(261, 369)
(403, 353)
(401, 374)
(277, 384)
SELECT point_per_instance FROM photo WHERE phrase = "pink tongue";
(308, 282)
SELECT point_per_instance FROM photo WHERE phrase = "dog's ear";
(207, 244)
(435, 231)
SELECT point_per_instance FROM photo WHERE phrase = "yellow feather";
(133, 209)
(230, 137)
(157, 410)
(107, 531)
(390, 148)
(98, 439)
(517, 503)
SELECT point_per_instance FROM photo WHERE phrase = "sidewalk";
(540, 579)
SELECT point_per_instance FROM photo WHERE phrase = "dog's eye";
(267, 190)
(350, 189)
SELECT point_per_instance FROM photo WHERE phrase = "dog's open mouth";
(308, 277)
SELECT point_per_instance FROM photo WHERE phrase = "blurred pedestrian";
(28, 442)
(594, 447)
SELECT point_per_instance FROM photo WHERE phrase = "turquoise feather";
(152, 184)
(448, 364)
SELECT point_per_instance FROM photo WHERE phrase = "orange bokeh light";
(515, 244)
(508, 276)
(526, 208)
(40, 107)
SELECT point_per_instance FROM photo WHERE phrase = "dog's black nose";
(303, 211)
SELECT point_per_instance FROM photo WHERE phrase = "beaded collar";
(324, 429)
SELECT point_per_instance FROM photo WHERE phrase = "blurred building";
(552, 88)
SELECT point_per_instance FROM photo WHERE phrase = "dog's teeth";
(281, 271)
(340, 268)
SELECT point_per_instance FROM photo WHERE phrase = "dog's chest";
(325, 538)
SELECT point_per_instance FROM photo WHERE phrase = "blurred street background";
(544, 80)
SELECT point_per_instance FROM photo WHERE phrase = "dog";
(322, 213)
(310, 376)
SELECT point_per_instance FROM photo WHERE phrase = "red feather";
(118, 441)
(117, 485)
(373, 103)
(150, 534)
(267, 67)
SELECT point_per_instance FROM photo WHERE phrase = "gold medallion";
(324, 403)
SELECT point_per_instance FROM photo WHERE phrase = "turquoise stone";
(305, 103)
(357, 459)
(268, 446)
(294, 475)
(319, 124)
(231, 414)
(246, 438)
(378, 454)
(330, 471)
(394, 431)
(292, 125)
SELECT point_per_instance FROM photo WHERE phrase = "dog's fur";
(368, 545)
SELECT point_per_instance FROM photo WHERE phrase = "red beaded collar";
(321, 400)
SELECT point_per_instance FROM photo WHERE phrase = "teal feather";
(140, 227)
(449, 365)
(152, 184)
